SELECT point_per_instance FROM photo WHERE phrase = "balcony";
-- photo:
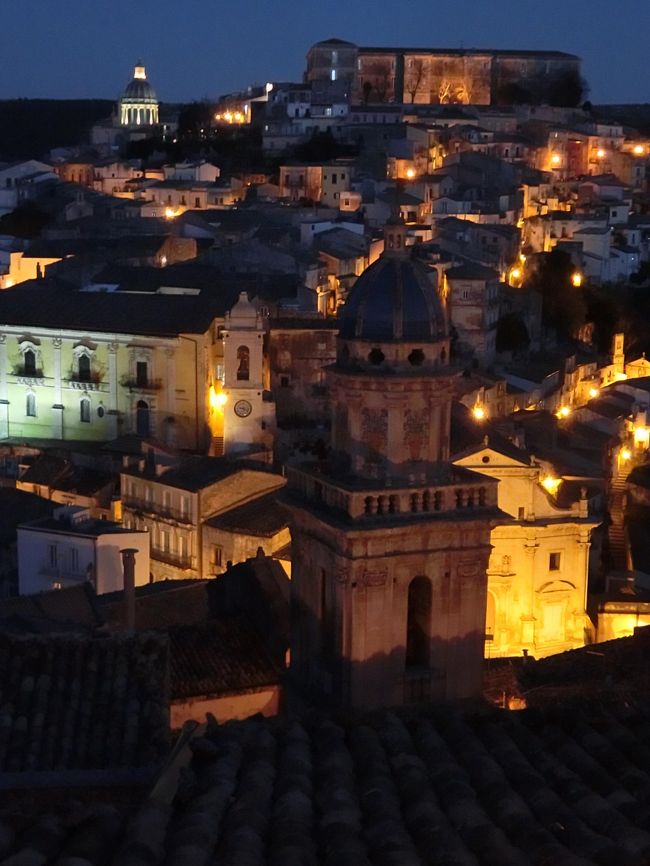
(363, 498)
(26, 375)
(155, 510)
(137, 383)
(177, 560)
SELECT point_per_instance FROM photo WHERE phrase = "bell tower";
(249, 413)
(390, 541)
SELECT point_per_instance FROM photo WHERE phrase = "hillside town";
(324, 473)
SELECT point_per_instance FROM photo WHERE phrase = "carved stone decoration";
(374, 428)
(57, 342)
(468, 569)
(415, 432)
(374, 578)
(342, 575)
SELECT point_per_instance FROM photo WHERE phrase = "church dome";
(393, 299)
(139, 90)
(139, 104)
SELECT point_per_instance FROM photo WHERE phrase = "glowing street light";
(556, 159)
(600, 153)
(217, 399)
(410, 173)
(563, 412)
(551, 484)
(626, 454)
(576, 279)
(594, 392)
(479, 413)
(638, 150)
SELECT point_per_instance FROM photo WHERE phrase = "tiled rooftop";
(78, 703)
(437, 787)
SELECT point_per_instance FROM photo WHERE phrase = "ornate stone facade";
(390, 542)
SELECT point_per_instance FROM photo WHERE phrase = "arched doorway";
(142, 418)
(418, 624)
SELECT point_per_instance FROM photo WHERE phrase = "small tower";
(249, 413)
(618, 353)
(390, 541)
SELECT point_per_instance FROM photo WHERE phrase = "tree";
(568, 89)
(512, 334)
(414, 76)
(563, 306)
(26, 221)
(379, 74)
(194, 118)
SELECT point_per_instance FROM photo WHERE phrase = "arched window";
(243, 365)
(418, 623)
(84, 410)
(30, 406)
(142, 418)
(29, 363)
(84, 368)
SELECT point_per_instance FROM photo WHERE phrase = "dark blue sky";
(199, 48)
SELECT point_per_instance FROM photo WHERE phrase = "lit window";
(332, 74)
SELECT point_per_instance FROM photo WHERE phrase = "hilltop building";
(438, 76)
(139, 103)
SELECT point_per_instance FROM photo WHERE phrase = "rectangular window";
(217, 555)
(554, 561)
(183, 506)
(521, 513)
(30, 406)
(284, 381)
(164, 541)
(183, 547)
(141, 373)
(53, 555)
(74, 560)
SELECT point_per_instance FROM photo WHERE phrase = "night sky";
(202, 48)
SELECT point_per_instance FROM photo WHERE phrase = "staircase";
(616, 531)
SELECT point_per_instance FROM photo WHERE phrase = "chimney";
(128, 567)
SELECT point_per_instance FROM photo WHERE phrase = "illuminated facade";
(245, 401)
(432, 76)
(139, 103)
(95, 378)
(538, 570)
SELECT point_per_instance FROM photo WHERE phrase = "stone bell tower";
(390, 541)
(249, 413)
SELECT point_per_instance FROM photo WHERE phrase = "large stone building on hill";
(432, 76)
(390, 541)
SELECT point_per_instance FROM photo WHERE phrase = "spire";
(395, 228)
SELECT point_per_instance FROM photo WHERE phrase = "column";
(113, 413)
(4, 390)
(57, 406)
(528, 619)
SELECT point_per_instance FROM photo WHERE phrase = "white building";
(72, 547)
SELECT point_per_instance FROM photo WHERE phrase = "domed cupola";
(395, 299)
(139, 103)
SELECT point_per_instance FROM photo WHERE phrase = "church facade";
(390, 541)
